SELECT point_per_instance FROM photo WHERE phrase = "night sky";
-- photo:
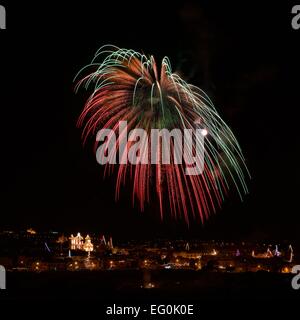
(246, 57)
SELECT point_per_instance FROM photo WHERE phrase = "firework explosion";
(129, 86)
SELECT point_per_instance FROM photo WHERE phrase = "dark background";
(244, 55)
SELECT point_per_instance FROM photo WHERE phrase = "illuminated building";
(187, 255)
(31, 231)
(187, 247)
(269, 253)
(103, 241)
(286, 269)
(61, 240)
(290, 253)
(214, 252)
(88, 246)
(76, 242)
(110, 243)
(277, 253)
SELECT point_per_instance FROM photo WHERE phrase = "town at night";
(158, 264)
(52, 251)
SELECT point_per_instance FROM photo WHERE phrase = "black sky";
(245, 57)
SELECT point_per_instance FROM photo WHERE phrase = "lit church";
(79, 243)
